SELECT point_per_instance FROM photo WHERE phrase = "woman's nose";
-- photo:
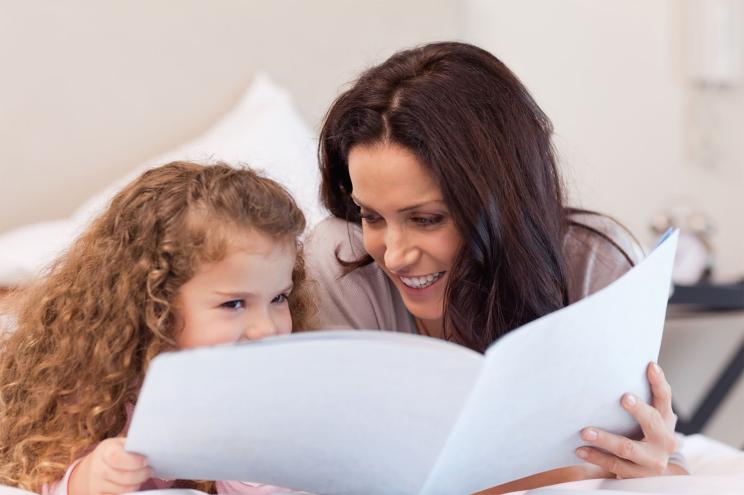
(400, 254)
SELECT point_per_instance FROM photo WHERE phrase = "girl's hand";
(626, 458)
(109, 469)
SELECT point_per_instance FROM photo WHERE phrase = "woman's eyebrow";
(360, 204)
(401, 210)
(355, 200)
(419, 205)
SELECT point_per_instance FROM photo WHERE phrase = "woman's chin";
(431, 312)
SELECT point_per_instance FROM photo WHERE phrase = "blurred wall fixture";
(713, 59)
(695, 258)
(714, 34)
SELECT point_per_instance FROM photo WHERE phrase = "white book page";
(328, 412)
(541, 384)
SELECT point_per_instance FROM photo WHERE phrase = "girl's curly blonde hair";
(86, 333)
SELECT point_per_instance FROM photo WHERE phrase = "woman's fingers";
(629, 458)
(662, 393)
(656, 429)
(620, 450)
(621, 468)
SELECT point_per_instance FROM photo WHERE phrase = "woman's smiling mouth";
(421, 282)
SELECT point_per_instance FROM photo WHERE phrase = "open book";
(360, 412)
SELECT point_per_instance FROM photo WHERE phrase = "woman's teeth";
(421, 282)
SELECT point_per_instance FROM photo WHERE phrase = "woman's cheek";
(373, 243)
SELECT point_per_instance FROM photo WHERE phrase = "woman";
(446, 162)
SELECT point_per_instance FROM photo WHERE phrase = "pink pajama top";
(236, 487)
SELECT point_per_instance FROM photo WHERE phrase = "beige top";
(367, 299)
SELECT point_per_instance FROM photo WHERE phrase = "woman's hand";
(109, 469)
(626, 458)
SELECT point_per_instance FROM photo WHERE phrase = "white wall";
(89, 89)
(611, 75)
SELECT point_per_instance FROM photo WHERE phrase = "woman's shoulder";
(603, 234)
(334, 234)
(598, 250)
(361, 298)
(328, 242)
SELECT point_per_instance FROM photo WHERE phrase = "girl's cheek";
(287, 327)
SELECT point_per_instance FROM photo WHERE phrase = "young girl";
(185, 256)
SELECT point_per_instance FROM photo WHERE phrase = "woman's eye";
(280, 299)
(428, 221)
(370, 217)
(234, 304)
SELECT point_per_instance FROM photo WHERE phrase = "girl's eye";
(428, 221)
(280, 299)
(234, 304)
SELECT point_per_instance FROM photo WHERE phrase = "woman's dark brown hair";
(486, 142)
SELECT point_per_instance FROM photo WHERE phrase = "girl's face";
(241, 297)
(407, 227)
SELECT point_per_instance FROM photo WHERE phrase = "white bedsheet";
(684, 485)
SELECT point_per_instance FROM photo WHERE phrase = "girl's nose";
(258, 328)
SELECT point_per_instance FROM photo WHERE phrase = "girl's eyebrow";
(232, 294)
(401, 210)
(240, 294)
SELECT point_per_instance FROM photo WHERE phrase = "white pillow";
(263, 130)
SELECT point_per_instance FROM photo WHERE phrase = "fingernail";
(656, 368)
(582, 453)
(589, 435)
(629, 401)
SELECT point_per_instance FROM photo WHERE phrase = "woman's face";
(407, 227)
